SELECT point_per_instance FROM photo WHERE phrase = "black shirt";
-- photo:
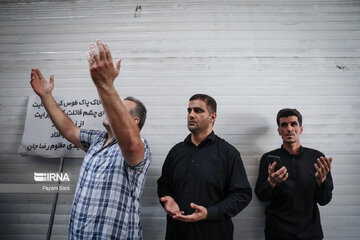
(211, 175)
(293, 211)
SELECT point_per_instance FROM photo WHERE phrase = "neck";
(109, 137)
(292, 148)
(197, 138)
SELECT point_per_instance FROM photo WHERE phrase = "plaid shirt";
(106, 202)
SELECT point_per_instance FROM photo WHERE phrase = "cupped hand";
(40, 86)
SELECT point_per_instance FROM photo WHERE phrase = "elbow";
(133, 147)
(129, 151)
(249, 196)
(324, 193)
(242, 200)
(67, 134)
(133, 143)
(133, 153)
(244, 197)
(70, 133)
(323, 202)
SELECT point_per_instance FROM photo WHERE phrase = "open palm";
(171, 207)
(39, 84)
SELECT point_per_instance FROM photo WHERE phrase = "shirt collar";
(105, 137)
(287, 152)
(210, 138)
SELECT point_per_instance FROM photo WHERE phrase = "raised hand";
(61, 121)
(101, 66)
(170, 206)
(200, 214)
(40, 86)
(276, 177)
(323, 167)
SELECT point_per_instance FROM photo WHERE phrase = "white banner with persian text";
(41, 138)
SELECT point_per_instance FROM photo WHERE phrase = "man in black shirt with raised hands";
(296, 187)
(203, 181)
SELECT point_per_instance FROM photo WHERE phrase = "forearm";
(263, 187)
(163, 188)
(324, 192)
(123, 125)
(230, 206)
(61, 121)
(263, 190)
(164, 181)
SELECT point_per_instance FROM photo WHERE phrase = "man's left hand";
(323, 167)
(198, 215)
(102, 69)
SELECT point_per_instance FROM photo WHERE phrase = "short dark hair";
(288, 112)
(138, 111)
(210, 102)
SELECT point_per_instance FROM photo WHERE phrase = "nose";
(289, 127)
(191, 114)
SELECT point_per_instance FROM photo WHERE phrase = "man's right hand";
(40, 86)
(101, 66)
(276, 177)
(170, 206)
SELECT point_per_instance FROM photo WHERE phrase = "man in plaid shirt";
(106, 202)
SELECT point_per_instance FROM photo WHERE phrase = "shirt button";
(192, 160)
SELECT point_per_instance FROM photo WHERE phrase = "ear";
(213, 117)
(301, 129)
(279, 131)
(137, 120)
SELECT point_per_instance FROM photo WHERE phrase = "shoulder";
(275, 152)
(177, 147)
(226, 146)
(146, 143)
(90, 132)
(312, 152)
(147, 150)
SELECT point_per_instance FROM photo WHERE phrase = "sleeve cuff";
(324, 185)
(213, 213)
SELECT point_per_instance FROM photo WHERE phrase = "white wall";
(253, 57)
